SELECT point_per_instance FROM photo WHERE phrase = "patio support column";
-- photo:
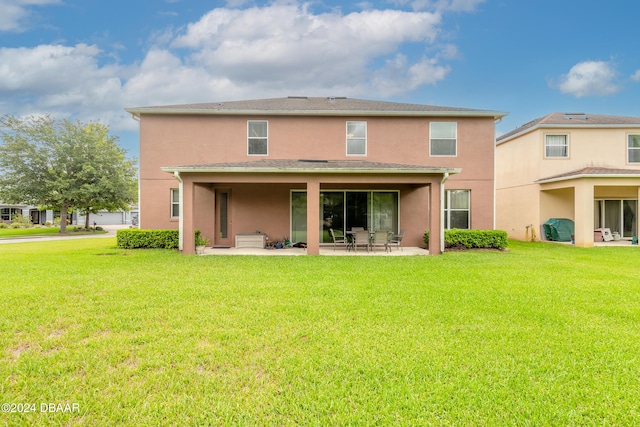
(313, 217)
(638, 216)
(435, 215)
(583, 215)
(187, 238)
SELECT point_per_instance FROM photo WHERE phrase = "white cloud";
(61, 80)
(325, 50)
(442, 5)
(462, 5)
(636, 76)
(398, 77)
(14, 14)
(11, 15)
(590, 78)
(48, 68)
(230, 54)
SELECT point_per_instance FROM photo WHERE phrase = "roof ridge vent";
(314, 160)
(570, 116)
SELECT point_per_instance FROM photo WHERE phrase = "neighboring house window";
(443, 138)
(257, 138)
(7, 214)
(634, 149)
(356, 138)
(556, 146)
(457, 209)
(175, 203)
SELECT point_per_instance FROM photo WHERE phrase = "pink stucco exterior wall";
(180, 140)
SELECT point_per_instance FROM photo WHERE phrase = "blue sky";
(90, 59)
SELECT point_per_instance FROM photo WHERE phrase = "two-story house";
(584, 167)
(298, 166)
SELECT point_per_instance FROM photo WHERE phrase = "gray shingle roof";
(561, 120)
(315, 166)
(313, 106)
(592, 172)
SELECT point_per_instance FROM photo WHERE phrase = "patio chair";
(361, 238)
(338, 238)
(396, 239)
(380, 238)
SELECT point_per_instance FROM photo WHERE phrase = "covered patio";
(594, 198)
(302, 199)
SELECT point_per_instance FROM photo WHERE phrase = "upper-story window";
(556, 146)
(257, 138)
(443, 138)
(633, 149)
(356, 138)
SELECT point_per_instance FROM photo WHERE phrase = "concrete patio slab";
(324, 251)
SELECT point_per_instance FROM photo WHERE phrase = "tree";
(64, 165)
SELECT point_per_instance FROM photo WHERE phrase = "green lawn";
(541, 335)
(16, 233)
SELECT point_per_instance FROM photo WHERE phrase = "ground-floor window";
(175, 202)
(344, 210)
(457, 209)
(617, 215)
(7, 214)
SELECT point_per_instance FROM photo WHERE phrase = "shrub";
(20, 221)
(4, 225)
(199, 239)
(134, 238)
(472, 239)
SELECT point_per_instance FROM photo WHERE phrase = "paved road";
(111, 232)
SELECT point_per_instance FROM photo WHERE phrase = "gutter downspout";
(176, 174)
(444, 179)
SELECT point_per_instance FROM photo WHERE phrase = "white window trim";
(366, 135)
(172, 203)
(454, 139)
(566, 138)
(249, 137)
(448, 209)
(631, 148)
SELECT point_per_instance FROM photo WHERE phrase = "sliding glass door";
(617, 215)
(629, 218)
(298, 216)
(344, 210)
(384, 211)
(371, 210)
(357, 204)
(332, 212)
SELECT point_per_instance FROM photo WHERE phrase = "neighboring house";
(295, 167)
(584, 167)
(104, 217)
(8, 211)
